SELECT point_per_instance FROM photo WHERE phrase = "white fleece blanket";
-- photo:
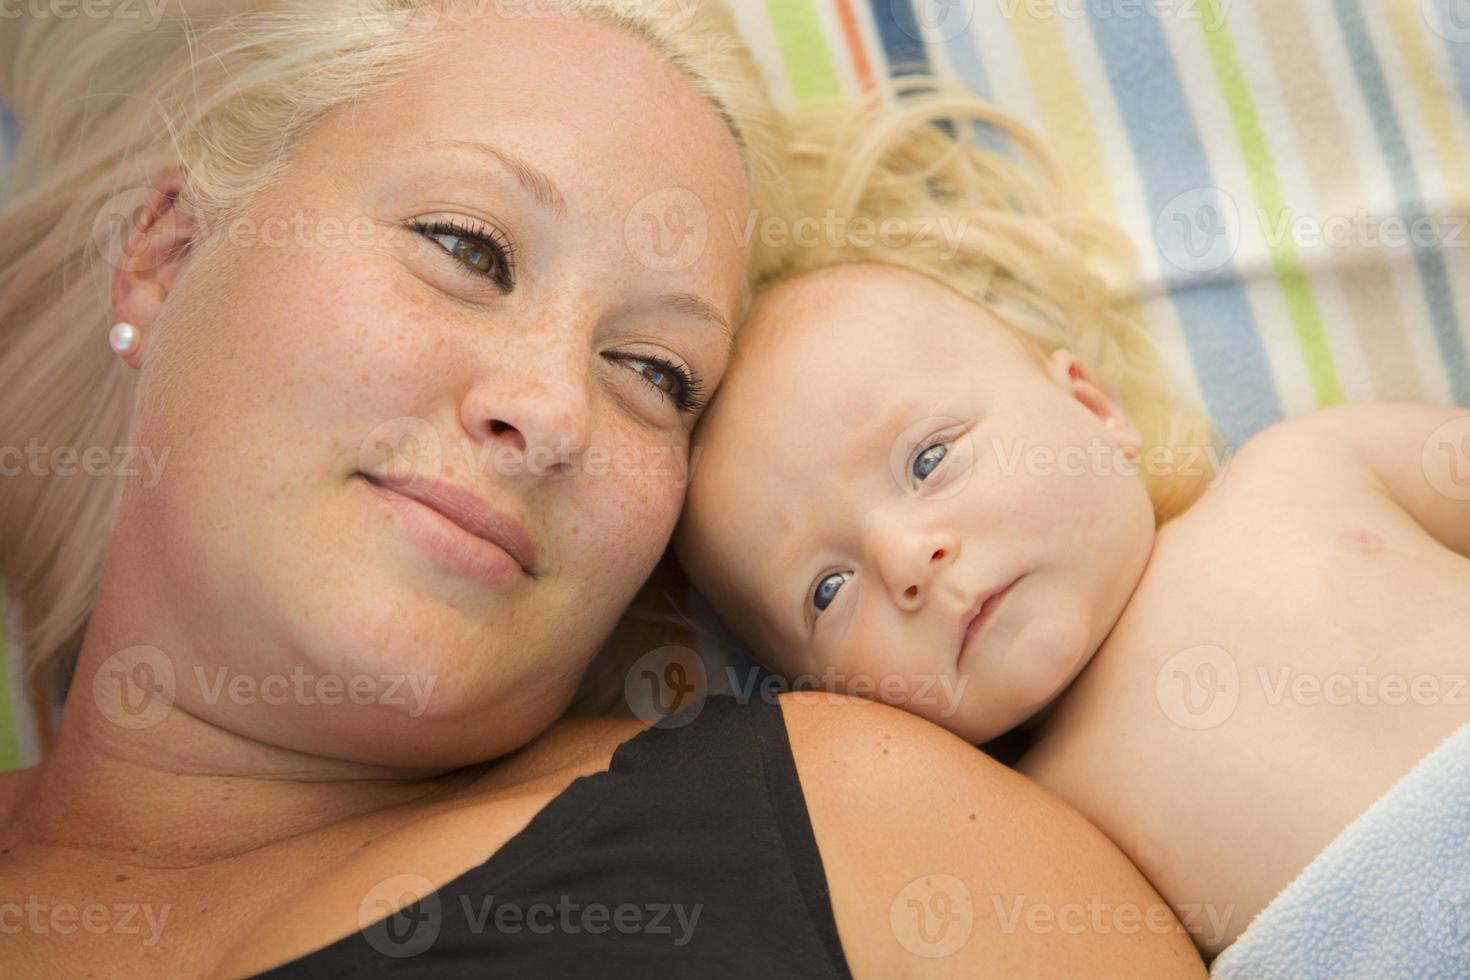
(1389, 898)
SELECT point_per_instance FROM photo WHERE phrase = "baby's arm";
(1419, 455)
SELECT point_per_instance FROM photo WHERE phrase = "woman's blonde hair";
(997, 223)
(224, 91)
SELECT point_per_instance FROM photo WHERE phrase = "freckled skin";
(268, 369)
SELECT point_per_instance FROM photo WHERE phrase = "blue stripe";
(1219, 327)
(964, 54)
(1454, 28)
(9, 128)
(898, 29)
(1409, 196)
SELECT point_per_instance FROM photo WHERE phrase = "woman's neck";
(183, 791)
(186, 794)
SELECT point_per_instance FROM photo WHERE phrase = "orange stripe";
(854, 38)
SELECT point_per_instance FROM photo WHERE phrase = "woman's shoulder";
(939, 859)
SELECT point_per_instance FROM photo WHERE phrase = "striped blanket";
(1293, 172)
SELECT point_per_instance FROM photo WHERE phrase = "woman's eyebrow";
(698, 306)
(542, 187)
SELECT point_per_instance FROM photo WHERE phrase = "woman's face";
(323, 349)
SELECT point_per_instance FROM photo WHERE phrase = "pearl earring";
(124, 338)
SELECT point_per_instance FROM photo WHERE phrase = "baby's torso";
(1296, 644)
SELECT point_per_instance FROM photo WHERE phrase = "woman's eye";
(827, 588)
(662, 379)
(928, 460)
(482, 253)
(681, 386)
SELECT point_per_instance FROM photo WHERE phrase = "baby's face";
(883, 455)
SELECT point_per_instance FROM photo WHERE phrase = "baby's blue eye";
(928, 460)
(827, 589)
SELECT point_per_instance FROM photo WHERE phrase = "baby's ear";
(1068, 372)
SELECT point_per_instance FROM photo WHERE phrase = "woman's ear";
(160, 236)
(1068, 372)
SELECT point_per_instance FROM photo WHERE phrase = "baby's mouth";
(981, 618)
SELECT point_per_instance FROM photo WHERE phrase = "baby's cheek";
(876, 670)
(1041, 663)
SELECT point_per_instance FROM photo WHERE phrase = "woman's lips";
(460, 530)
(975, 631)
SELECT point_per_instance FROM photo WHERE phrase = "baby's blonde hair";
(1023, 249)
(224, 89)
(1004, 232)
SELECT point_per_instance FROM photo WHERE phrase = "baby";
(866, 506)
(902, 493)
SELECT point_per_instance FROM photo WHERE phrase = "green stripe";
(9, 742)
(1300, 302)
(803, 50)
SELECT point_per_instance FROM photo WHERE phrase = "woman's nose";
(529, 427)
(908, 557)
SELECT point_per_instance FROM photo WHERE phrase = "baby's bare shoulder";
(1310, 449)
(1342, 463)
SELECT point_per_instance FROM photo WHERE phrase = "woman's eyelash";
(690, 396)
(485, 242)
(492, 244)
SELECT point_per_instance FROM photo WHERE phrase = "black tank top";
(691, 856)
